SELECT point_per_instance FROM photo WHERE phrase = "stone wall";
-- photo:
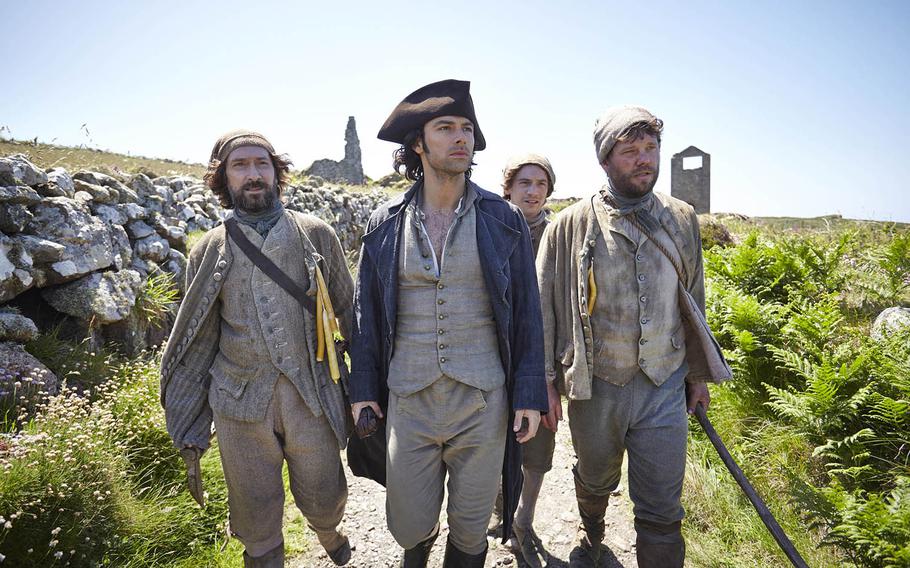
(77, 248)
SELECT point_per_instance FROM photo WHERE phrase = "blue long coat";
(507, 261)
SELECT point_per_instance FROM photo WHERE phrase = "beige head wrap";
(517, 162)
(237, 138)
(612, 123)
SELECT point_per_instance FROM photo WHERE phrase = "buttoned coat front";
(562, 268)
(507, 262)
(194, 340)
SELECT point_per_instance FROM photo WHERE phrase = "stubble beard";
(625, 185)
(448, 169)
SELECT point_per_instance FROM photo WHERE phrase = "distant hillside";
(75, 159)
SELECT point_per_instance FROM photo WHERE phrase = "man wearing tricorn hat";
(610, 269)
(244, 354)
(447, 332)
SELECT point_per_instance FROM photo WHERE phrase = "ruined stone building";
(690, 178)
(349, 169)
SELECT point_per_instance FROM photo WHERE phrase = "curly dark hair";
(407, 158)
(215, 177)
(642, 128)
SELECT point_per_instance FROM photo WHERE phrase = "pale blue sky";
(803, 106)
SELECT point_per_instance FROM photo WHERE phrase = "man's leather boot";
(271, 559)
(592, 509)
(455, 558)
(529, 546)
(336, 545)
(494, 527)
(659, 545)
(417, 557)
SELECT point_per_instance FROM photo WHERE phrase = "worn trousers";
(253, 454)
(649, 422)
(447, 428)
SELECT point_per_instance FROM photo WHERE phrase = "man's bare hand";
(551, 420)
(695, 393)
(533, 417)
(358, 406)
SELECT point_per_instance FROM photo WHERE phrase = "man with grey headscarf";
(244, 354)
(620, 355)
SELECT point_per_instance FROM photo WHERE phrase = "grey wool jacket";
(193, 345)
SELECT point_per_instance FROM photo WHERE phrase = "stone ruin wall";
(692, 184)
(76, 248)
(350, 168)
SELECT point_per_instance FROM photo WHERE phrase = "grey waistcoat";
(261, 330)
(636, 322)
(445, 322)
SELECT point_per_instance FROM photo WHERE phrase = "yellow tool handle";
(334, 372)
(326, 326)
(323, 290)
(592, 290)
(320, 334)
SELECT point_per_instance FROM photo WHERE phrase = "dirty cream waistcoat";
(445, 322)
(635, 322)
(262, 330)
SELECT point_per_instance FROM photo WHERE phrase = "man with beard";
(244, 353)
(447, 334)
(615, 339)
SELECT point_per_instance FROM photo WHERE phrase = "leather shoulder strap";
(638, 225)
(268, 267)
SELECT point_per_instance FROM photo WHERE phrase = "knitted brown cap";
(237, 138)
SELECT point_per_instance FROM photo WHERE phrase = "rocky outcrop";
(350, 168)
(889, 321)
(16, 327)
(24, 381)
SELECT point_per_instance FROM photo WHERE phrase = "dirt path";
(556, 522)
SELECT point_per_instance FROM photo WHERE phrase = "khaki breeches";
(446, 428)
(253, 454)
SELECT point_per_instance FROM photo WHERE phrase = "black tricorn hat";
(443, 98)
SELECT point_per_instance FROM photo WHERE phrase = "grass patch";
(99, 483)
(157, 298)
(74, 159)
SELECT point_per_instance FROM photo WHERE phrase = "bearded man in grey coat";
(610, 269)
(243, 354)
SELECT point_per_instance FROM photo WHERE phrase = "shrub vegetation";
(817, 416)
(818, 411)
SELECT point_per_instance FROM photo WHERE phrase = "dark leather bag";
(366, 449)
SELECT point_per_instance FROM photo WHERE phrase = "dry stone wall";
(78, 247)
